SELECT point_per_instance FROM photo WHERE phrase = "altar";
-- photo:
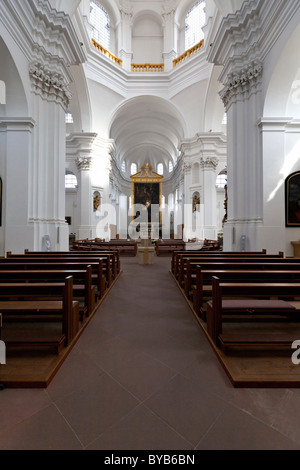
(193, 246)
(145, 252)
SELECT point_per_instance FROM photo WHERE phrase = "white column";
(47, 170)
(281, 146)
(170, 38)
(15, 145)
(125, 35)
(242, 100)
(80, 152)
(85, 229)
(209, 205)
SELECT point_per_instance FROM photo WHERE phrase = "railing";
(107, 53)
(147, 67)
(193, 50)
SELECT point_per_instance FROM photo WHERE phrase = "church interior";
(149, 225)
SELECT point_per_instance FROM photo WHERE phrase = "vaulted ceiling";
(147, 129)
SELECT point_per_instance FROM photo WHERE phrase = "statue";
(96, 202)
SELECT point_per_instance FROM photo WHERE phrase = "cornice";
(42, 31)
(79, 146)
(204, 141)
(248, 35)
(17, 124)
(165, 84)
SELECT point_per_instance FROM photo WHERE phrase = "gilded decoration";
(146, 189)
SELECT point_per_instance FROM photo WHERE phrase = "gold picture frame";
(148, 177)
(292, 200)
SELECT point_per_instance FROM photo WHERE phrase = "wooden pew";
(202, 289)
(82, 283)
(37, 264)
(168, 246)
(255, 302)
(127, 247)
(179, 258)
(115, 256)
(190, 253)
(109, 261)
(34, 300)
(188, 266)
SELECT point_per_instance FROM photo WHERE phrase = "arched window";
(2, 92)
(123, 167)
(221, 179)
(99, 19)
(70, 180)
(69, 118)
(194, 22)
(196, 202)
(160, 169)
(133, 168)
(171, 167)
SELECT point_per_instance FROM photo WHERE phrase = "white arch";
(282, 90)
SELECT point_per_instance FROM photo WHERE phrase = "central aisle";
(143, 377)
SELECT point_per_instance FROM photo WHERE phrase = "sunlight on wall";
(291, 159)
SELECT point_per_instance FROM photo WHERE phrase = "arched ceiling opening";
(147, 129)
(283, 90)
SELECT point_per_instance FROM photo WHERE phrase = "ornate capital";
(241, 82)
(126, 8)
(49, 84)
(84, 163)
(186, 168)
(168, 8)
(210, 163)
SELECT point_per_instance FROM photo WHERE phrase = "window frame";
(199, 34)
(100, 36)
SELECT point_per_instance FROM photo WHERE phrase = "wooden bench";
(109, 261)
(82, 283)
(191, 253)
(168, 246)
(113, 255)
(179, 257)
(17, 301)
(98, 277)
(202, 289)
(257, 303)
(188, 266)
(124, 247)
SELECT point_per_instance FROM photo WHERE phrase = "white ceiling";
(147, 129)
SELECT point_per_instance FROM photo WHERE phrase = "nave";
(143, 376)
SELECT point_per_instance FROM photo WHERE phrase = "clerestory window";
(100, 21)
(160, 169)
(194, 22)
(133, 168)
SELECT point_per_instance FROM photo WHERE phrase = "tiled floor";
(143, 377)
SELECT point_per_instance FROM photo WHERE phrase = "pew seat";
(32, 338)
(236, 306)
(249, 314)
(230, 340)
(37, 303)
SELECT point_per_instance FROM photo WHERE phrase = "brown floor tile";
(93, 409)
(140, 429)
(236, 430)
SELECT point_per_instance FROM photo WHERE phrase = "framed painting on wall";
(292, 200)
